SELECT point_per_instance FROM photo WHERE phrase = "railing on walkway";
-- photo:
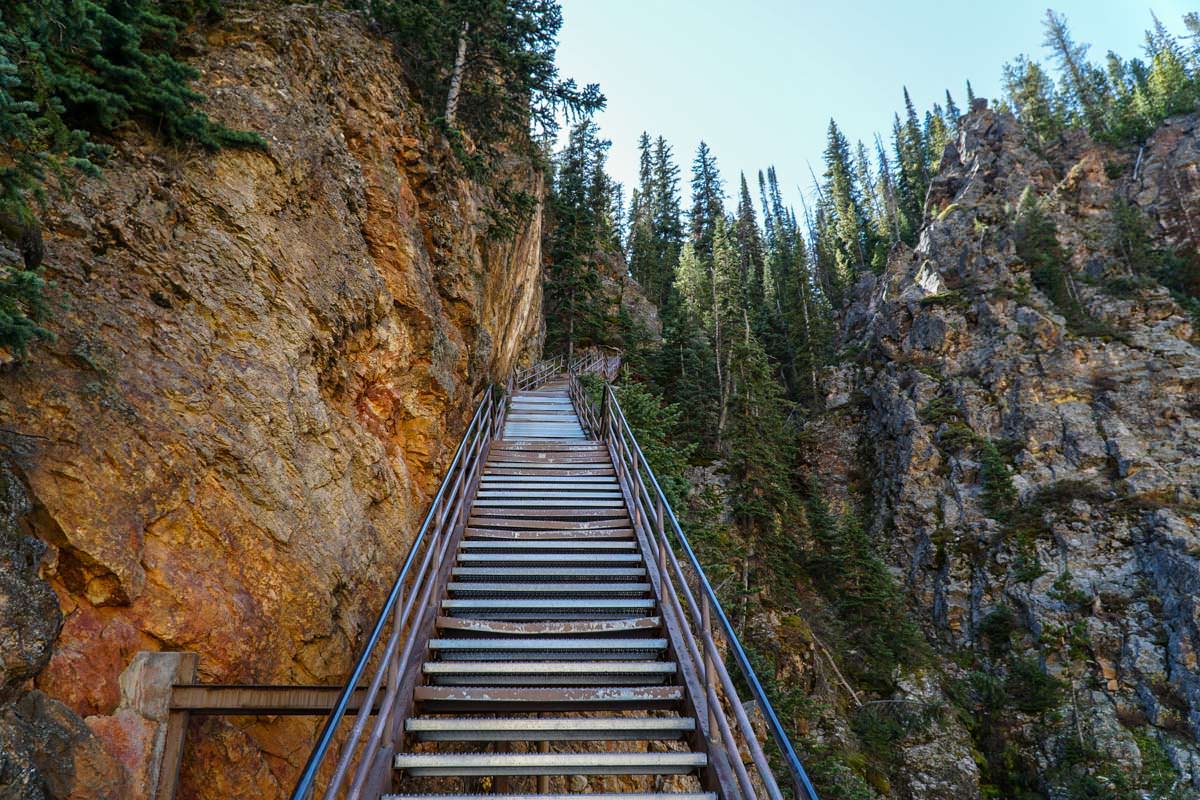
(700, 620)
(536, 374)
(390, 660)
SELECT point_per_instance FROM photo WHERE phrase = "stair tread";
(588, 667)
(571, 796)
(570, 759)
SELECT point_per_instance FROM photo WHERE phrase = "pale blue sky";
(759, 79)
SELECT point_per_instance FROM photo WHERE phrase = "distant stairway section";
(537, 643)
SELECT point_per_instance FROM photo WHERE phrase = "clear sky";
(759, 79)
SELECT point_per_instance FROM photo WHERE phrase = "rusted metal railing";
(355, 761)
(696, 614)
(536, 374)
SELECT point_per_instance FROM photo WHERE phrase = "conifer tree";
(1168, 89)
(1031, 93)
(708, 200)
(508, 80)
(751, 256)
(1085, 87)
(668, 225)
(582, 229)
(642, 246)
(846, 235)
(953, 114)
(912, 167)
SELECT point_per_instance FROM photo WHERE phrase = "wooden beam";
(255, 700)
(177, 720)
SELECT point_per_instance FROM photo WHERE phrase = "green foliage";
(845, 566)
(70, 69)
(997, 629)
(510, 81)
(583, 232)
(1038, 246)
(1030, 689)
(22, 307)
(655, 229)
(655, 422)
(999, 495)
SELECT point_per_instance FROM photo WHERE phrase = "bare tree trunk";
(456, 77)
(722, 394)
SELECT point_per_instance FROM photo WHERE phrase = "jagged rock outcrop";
(262, 364)
(1022, 467)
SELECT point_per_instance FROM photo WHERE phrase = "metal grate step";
(596, 796)
(550, 763)
(511, 729)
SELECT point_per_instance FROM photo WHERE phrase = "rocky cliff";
(1034, 470)
(262, 363)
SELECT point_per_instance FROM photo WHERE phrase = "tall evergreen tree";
(846, 235)
(708, 200)
(505, 80)
(1031, 93)
(912, 167)
(1084, 86)
(582, 230)
(751, 256)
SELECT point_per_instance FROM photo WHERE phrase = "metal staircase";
(543, 638)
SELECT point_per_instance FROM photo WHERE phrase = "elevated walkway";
(543, 638)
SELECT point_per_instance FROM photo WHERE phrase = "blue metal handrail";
(801, 782)
(305, 784)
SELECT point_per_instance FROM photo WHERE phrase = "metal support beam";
(232, 700)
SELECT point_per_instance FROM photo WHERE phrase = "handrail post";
(710, 672)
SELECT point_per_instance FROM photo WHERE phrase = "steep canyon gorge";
(263, 361)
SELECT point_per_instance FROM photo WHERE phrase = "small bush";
(997, 629)
(1030, 689)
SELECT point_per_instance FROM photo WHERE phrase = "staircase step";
(548, 535)
(548, 673)
(561, 606)
(565, 544)
(541, 503)
(541, 644)
(585, 796)
(562, 588)
(544, 628)
(549, 572)
(583, 557)
(489, 699)
(512, 729)
(550, 763)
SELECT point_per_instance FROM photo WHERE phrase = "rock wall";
(966, 366)
(263, 362)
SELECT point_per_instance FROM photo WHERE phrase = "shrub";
(1030, 689)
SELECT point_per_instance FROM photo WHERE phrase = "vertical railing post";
(710, 673)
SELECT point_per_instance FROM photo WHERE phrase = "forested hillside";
(889, 417)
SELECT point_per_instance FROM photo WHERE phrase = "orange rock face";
(263, 363)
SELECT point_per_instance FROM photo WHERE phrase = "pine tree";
(1031, 93)
(953, 114)
(912, 168)
(508, 80)
(668, 223)
(642, 246)
(708, 200)
(582, 229)
(751, 256)
(1085, 87)
(1169, 89)
(848, 240)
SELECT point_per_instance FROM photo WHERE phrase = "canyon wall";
(1034, 470)
(262, 363)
